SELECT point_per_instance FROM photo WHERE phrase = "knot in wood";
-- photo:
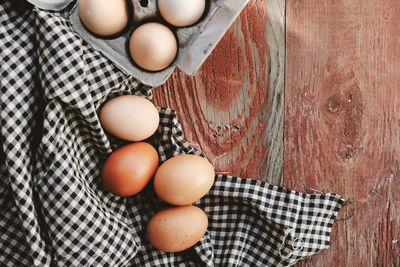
(334, 104)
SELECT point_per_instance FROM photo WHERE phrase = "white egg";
(181, 13)
(130, 117)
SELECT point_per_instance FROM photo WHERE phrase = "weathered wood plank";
(342, 125)
(234, 104)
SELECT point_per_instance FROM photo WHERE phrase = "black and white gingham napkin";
(54, 210)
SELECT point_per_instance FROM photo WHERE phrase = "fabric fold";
(19, 117)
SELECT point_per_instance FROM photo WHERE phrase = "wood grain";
(342, 124)
(234, 104)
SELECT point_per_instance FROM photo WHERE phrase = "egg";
(104, 17)
(130, 117)
(176, 229)
(129, 169)
(181, 13)
(153, 46)
(183, 179)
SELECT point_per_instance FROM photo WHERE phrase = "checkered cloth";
(54, 210)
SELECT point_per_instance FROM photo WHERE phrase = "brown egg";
(183, 179)
(103, 17)
(130, 117)
(128, 169)
(176, 229)
(153, 46)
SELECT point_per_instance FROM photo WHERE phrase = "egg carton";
(195, 42)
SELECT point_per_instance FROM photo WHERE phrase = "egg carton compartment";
(195, 43)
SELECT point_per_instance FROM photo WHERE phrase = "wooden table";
(306, 94)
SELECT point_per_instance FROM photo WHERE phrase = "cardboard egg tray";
(195, 43)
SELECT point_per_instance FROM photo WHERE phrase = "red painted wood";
(223, 107)
(342, 122)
